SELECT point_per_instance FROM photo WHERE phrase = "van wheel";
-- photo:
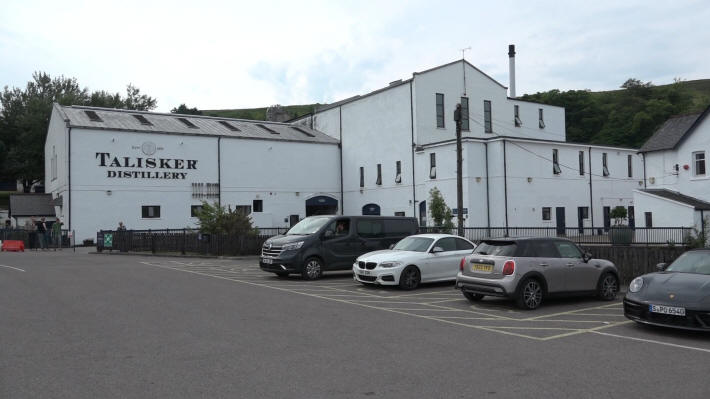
(529, 294)
(312, 269)
(410, 278)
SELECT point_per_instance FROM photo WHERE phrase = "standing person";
(121, 227)
(57, 233)
(31, 228)
(42, 233)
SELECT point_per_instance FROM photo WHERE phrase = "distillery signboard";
(145, 167)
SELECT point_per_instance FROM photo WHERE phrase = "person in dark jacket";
(42, 233)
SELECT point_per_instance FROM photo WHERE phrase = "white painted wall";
(57, 141)
(665, 213)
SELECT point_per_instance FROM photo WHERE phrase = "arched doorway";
(371, 209)
(321, 205)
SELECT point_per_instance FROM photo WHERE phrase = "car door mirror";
(661, 266)
(436, 250)
(586, 257)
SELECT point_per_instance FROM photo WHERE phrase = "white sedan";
(422, 258)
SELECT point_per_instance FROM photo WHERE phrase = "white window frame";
(516, 116)
(696, 161)
(605, 165)
(432, 165)
(556, 161)
(541, 118)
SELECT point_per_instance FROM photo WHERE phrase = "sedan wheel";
(312, 269)
(410, 278)
(608, 287)
(530, 294)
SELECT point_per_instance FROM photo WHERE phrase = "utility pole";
(459, 173)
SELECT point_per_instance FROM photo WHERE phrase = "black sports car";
(678, 295)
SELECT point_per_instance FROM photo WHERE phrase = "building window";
(258, 205)
(150, 211)
(195, 210)
(53, 163)
(488, 123)
(432, 166)
(399, 214)
(398, 176)
(699, 163)
(605, 165)
(630, 168)
(439, 110)
(379, 174)
(546, 213)
(541, 118)
(581, 163)
(556, 162)
(362, 177)
(584, 212)
(516, 114)
(243, 209)
(464, 114)
(649, 218)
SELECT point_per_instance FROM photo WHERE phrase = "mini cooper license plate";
(480, 267)
(267, 261)
(671, 310)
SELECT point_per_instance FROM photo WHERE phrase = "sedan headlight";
(292, 245)
(636, 284)
(390, 264)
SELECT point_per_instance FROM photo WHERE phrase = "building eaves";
(359, 97)
(466, 62)
(525, 139)
(696, 203)
(673, 132)
(533, 102)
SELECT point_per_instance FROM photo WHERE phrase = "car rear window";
(497, 248)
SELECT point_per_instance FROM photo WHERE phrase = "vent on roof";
(93, 116)
(268, 129)
(188, 123)
(296, 128)
(229, 126)
(142, 120)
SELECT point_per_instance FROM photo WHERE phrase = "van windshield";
(308, 226)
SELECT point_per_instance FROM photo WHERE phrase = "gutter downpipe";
(219, 170)
(505, 188)
(411, 123)
(69, 180)
(488, 197)
(643, 156)
(340, 147)
(591, 188)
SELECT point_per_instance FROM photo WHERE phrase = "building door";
(649, 219)
(632, 217)
(422, 214)
(321, 205)
(607, 219)
(580, 218)
(560, 217)
(292, 220)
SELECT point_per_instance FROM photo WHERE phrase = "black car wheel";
(410, 278)
(473, 297)
(608, 287)
(312, 269)
(530, 294)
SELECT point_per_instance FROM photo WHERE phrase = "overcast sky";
(232, 54)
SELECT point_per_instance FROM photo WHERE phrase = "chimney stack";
(511, 73)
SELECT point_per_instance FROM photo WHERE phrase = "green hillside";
(258, 114)
(625, 117)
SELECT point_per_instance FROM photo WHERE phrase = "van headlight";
(390, 264)
(292, 245)
(636, 284)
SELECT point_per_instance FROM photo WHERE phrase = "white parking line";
(13, 268)
(651, 341)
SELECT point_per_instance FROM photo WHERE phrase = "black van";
(324, 243)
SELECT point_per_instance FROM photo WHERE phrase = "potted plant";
(620, 233)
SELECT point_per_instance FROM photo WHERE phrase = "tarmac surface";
(75, 325)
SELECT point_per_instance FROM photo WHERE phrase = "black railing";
(185, 241)
(36, 240)
(679, 236)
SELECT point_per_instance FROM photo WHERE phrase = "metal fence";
(185, 241)
(680, 236)
(36, 240)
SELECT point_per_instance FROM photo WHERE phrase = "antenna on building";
(463, 52)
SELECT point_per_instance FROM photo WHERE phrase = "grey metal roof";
(118, 119)
(672, 132)
(31, 205)
(676, 196)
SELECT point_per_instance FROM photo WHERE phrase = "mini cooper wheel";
(473, 297)
(608, 287)
(312, 269)
(410, 278)
(529, 294)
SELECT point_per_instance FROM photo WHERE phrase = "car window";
(568, 250)
(447, 244)
(462, 245)
(542, 249)
(418, 244)
(691, 262)
(399, 228)
(370, 228)
(497, 248)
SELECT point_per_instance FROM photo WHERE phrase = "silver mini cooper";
(529, 269)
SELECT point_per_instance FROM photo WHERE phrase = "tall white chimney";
(511, 63)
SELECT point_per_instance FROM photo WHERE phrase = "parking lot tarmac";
(75, 325)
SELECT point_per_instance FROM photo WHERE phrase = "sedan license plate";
(671, 310)
(267, 261)
(480, 267)
(365, 272)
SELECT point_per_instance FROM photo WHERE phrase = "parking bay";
(441, 303)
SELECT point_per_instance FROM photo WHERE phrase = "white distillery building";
(677, 185)
(152, 170)
(379, 153)
(399, 142)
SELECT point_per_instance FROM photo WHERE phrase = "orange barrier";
(13, 245)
